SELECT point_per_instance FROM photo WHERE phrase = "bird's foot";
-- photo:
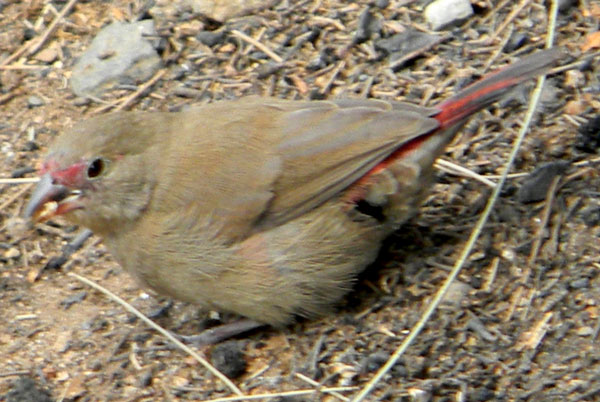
(221, 332)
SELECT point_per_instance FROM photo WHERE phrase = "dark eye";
(96, 168)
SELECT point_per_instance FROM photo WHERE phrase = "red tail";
(454, 111)
(492, 87)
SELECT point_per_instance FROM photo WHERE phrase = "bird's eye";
(96, 168)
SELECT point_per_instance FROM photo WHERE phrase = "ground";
(520, 323)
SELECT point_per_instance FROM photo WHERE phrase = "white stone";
(442, 13)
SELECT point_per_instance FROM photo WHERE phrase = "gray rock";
(382, 3)
(443, 13)
(405, 42)
(406, 45)
(535, 186)
(118, 53)
(34, 101)
(367, 25)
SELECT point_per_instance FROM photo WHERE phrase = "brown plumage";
(263, 207)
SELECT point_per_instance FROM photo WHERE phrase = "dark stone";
(535, 186)
(228, 358)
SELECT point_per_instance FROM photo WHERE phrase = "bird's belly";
(299, 268)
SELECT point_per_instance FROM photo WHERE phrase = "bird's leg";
(222, 332)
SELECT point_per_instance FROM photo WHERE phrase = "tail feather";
(491, 88)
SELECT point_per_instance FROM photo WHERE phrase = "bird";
(264, 207)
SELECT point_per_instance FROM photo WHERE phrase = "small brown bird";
(263, 207)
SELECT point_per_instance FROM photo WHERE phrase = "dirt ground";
(521, 322)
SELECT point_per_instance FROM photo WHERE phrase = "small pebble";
(590, 216)
(269, 68)
(48, 55)
(456, 293)
(56, 262)
(228, 358)
(325, 58)
(366, 25)
(210, 38)
(585, 331)
(76, 298)
(81, 101)
(34, 101)
(441, 14)
(535, 186)
(580, 283)
(95, 365)
(405, 45)
(516, 41)
(375, 361)
(22, 171)
(11, 253)
(29, 33)
(475, 325)
(575, 107)
(574, 79)
(145, 380)
(31, 146)
(588, 136)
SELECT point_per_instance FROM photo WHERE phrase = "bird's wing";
(255, 163)
(327, 146)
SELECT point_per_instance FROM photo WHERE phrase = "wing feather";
(328, 146)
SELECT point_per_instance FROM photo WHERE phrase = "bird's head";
(98, 174)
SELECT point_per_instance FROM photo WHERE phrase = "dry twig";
(33, 46)
(128, 100)
(257, 45)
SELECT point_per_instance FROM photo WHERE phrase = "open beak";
(50, 199)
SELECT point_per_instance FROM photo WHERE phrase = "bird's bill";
(50, 199)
